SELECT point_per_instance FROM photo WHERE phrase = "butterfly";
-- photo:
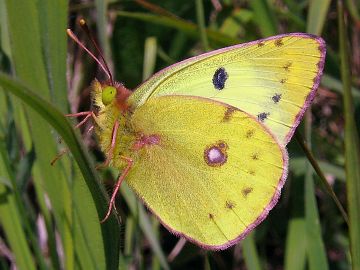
(203, 142)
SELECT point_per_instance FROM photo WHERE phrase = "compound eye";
(108, 94)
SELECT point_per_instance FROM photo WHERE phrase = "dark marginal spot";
(315, 80)
(215, 155)
(246, 191)
(282, 81)
(260, 44)
(250, 133)
(230, 204)
(219, 78)
(211, 216)
(276, 98)
(320, 65)
(255, 156)
(287, 66)
(278, 42)
(228, 113)
(321, 48)
(262, 116)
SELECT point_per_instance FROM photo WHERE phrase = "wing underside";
(215, 173)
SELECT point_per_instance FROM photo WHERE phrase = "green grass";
(44, 76)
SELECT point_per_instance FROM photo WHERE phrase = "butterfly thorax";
(129, 140)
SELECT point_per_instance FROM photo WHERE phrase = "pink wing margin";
(317, 79)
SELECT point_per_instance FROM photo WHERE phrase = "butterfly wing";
(272, 79)
(214, 173)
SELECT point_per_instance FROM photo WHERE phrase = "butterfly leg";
(109, 154)
(87, 116)
(117, 186)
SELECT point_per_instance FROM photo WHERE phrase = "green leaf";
(251, 255)
(11, 220)
(145, 223)
(352, 159)
(109, 246)
(314, 244)
(317, 16)
(295, 253)
(184, 26)
(264, 17)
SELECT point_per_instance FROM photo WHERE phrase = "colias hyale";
(202, 142)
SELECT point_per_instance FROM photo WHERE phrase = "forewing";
(272, 79)
(213, 175)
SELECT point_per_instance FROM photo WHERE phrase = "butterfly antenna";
(104, 68)
(85, 27)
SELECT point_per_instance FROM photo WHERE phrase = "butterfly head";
(111, 92)
(110, 95)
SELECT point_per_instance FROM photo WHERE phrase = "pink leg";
(86, 114)
(110, 153)
(116, 189)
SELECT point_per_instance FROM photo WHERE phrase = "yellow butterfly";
(202, 142)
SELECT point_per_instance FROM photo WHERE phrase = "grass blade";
(109, 230)
(251, 255)
(145, 223)
(295, 254)
(314, 244)
(201, 24)
(319, 172)
(11, 219)
(184, 26)
(264, 17)
(352, 159)
(317, 15)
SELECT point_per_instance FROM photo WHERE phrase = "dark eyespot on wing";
(219, 78)
(260, 44)
(276, 98)
(262, 116)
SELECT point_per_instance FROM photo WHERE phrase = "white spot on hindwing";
(215, 155)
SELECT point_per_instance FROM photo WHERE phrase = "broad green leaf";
(110, 229)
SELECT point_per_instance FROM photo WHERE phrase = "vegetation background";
(49, 215)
